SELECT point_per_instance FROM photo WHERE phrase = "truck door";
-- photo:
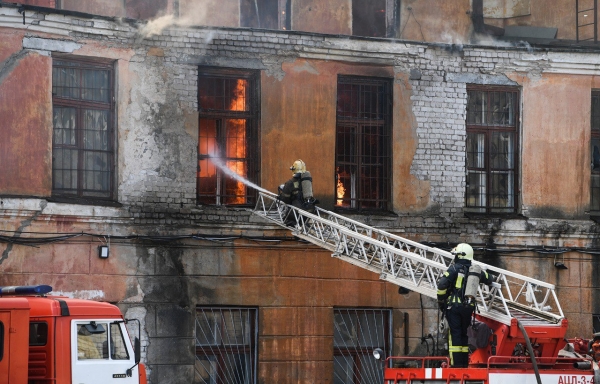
(101, 353)
(4, 346)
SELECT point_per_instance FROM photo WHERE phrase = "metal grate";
(357, 332)
(492, 120)
(228, 133)
(363, 143)
(226, 345)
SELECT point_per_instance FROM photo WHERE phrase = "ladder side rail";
(514, 275)
(559, 308)
(349, 242)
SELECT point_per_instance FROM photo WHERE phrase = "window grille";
(357, 332)
(227, 136)
(226, 345)
(595, 151)
(363, 143)
(83, 135)
(492, 155)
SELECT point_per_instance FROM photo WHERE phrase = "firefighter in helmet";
(298, 191)
(456, 298)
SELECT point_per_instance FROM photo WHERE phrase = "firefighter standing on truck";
(456, 292)
(297, 191)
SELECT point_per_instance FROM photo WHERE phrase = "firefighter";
(297, 191)
(457, 306)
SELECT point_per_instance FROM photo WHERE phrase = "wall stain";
(24, 224)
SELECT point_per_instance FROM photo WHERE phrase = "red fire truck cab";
(53, 339)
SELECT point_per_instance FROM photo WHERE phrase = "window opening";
(369, 18)
(491, 158)
(82, 143)
(226, 340)
(227, 135)
(595, 151)
(596, 323)
(357, 332)
(363, 143)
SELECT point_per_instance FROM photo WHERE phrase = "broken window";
(492, 121)
(363, 143)
(266, 14)
(356, 333)
(83, 135)
(375, 18)
(227, 137)
(226, 340)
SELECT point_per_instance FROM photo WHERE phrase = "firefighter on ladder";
(297, 191)
(456, 293)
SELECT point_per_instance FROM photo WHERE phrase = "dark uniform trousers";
(459, 319)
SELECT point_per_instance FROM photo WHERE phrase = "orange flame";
(340, 190)
(236, 144)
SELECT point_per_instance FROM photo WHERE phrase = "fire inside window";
(226, 345)
(363, 143)
(356, 333)
(83, 137)
(595, 151)
(227, 137)
(492, 133)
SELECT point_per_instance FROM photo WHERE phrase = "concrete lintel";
(52, 45)
(473, 78)
(229, 62)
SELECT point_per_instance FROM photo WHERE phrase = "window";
(356, 333)
(83, 138)
(595, 150)
(227, 137)
(492, 137)
(363, 143)
(596, 323)
(38, 334)
(93, 341)
(375, 18)
(226, 345)
(266, 14)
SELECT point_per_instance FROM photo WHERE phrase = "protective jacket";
(451, 287)
(297, 191)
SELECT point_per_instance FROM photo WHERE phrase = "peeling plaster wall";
(294, 286)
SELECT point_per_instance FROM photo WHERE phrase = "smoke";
(193, 14)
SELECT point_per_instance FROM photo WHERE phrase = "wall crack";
(24, 224)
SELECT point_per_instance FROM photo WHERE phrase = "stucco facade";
(169, 255)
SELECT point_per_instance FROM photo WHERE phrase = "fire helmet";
(463, 251)
(298, 167)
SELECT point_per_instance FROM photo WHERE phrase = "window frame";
(488, 130)
(345, 126)
(79, 194)
(252, 117)
(391, 18)
(219, 350)
(363, 351)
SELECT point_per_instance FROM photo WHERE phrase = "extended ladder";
(413, 265)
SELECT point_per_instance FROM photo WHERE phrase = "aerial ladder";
(518, 309)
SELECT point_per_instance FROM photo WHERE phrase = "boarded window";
(492, 137)
(227, 138)
(226, 345)
(595, 151)
(363, 143)
(83, 137)
(356, 333)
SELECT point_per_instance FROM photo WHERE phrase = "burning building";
(442, 122)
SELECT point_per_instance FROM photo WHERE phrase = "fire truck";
(527, 328)
(59, 340)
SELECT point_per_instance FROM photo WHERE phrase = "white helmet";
(463, 251)
(298, 167)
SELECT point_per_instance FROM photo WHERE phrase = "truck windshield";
(98, 340)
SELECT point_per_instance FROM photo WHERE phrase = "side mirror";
(137, 350)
